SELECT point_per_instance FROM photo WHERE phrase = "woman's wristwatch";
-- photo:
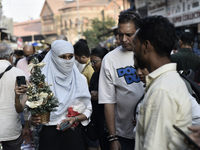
(76, 119)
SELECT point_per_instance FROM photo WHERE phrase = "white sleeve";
(195, 111)
(87, 112)
(106, 86)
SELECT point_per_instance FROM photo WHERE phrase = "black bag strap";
(135, 113)
(195, 87)
(7, 69)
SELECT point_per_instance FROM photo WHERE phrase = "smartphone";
(65, 125)
(21, 80)
(189, 140)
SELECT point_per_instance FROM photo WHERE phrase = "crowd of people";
(133, 96)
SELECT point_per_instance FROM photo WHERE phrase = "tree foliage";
(98, 27)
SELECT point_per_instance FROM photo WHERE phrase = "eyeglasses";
(27, 56)
(94, 62)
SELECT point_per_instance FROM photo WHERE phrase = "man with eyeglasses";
(119, 87)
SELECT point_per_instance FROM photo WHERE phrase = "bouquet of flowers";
(41, 100)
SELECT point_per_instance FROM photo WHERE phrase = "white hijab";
(68, 85)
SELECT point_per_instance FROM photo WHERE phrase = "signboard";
(140, 3)
(157, 7)
(183, 12)
(19, 43)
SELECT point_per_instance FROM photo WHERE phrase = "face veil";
(68, 85)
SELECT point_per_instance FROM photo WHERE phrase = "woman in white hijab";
(70, 87)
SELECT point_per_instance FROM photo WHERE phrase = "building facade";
(73, 18)
(184, 14)
(51, 19)
(28, 31)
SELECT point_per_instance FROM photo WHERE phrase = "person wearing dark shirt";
(96, 134)
(185, 58)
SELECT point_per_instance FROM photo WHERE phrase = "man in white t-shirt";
(166, 101)
(119, 86)
(11, 129)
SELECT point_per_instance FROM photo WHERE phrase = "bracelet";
(112, 136)
(76, 119)
(113, 139)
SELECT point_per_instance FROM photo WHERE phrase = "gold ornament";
(51, 94)
(40, 85)
(50, 84)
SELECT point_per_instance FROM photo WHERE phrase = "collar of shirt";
(156, 73)
(5, 63)
(185, 50)
(88, 61)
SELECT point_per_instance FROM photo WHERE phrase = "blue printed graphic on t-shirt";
(129, 74)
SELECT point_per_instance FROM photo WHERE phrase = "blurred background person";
(18, 54)
(95, 132)
(185, 58)
(82, 55)
(23, 63)
(196, 50)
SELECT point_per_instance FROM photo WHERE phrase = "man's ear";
(83, 56)
(146, 46)
(11, 59)
(180, 43)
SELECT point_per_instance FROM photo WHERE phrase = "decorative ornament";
(41, 85)
(51, 94)
(35, 104)
(32, 65)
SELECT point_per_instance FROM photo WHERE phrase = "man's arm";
(107, 97)
(110, 119)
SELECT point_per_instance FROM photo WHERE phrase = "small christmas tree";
(41, 100)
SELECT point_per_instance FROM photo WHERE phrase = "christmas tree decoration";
(41, 100)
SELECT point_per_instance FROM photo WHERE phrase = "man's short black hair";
(83, 40)
(81, 48)
(128, 17)
(159, 32)
(187, 38)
